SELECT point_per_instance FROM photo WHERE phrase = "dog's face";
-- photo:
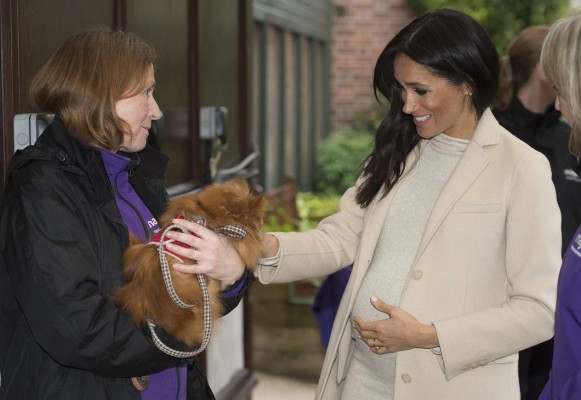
(222, 205)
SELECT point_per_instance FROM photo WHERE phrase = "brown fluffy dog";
(145, 295)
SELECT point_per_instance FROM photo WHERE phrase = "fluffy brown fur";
(145, 295)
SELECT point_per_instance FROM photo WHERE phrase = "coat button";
(417, 274)
(406, 378)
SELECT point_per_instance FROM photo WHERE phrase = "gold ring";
(377, 348)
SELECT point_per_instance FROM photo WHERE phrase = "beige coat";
(485, 273)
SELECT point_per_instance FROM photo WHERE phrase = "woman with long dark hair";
(452, 229)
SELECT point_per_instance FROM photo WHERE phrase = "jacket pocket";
(477, 206)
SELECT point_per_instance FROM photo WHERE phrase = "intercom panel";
(28, 127)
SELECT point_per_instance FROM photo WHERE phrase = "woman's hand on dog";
(214, 254)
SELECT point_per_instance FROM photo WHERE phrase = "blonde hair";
(83, 80)
(561, 63)
(523, 53)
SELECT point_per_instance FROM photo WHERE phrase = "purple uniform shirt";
(140, 222)
(565, 380)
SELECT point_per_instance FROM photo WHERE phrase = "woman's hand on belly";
(399, 331)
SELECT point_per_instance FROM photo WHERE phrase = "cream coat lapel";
(468, 169)
(373, 223)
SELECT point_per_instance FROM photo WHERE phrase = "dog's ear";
(240, 183)
(187, 206)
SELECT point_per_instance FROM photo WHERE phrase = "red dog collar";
(156, 241)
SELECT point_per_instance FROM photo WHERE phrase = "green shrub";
(339, 159)
(279, 221)
(503, 19)
(312, 208)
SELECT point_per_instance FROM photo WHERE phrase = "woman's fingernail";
(374, 299)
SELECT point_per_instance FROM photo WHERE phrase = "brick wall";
(361, 29)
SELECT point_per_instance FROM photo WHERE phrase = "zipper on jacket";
(135, 210)
(178, 383)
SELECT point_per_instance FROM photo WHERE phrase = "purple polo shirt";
(565, 380)
(140, 222)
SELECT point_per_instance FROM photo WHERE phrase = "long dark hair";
(451, 45)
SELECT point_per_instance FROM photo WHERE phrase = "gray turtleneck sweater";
(372, 376)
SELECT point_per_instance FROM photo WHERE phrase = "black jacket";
(549, 135)
(61, 241)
